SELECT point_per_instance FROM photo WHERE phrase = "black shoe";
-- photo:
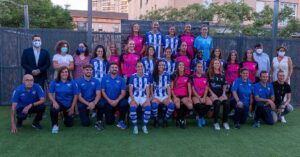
(177, 123)
(36, 126)
(99, 125)
(183, 124)
(156, 124)
(237, 126)
(165, 124)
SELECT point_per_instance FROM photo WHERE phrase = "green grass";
(278, 140)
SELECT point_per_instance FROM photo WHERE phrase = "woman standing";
(138, 39)
(169, 61)
(149, 61)
(99, 62)
(250, 64)
(129, 60)
(189, 39)
(81, 57)
(171, 40)
(184, 57)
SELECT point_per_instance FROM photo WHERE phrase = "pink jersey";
(180, 87)
(189, 39)
(252, 67)
(187, 62)
(115, 59)
(199, 84)
(139, 43)
(231, 72)
(129, 61)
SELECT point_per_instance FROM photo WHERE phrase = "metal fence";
(13, 41)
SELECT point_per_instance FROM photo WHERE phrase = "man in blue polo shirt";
(264, 97)
(27, 98)
(90, 93)
(113, 91)
(204, 42)
(242, 93)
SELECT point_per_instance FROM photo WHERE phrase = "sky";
(74, 4)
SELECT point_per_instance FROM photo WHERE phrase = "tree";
(293, 26)
(42, 14)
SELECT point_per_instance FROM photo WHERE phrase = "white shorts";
(161, 98)
(139, 100)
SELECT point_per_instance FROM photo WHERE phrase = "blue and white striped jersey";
(171, 42)
(100, 68)
(169, 66)
(139, 84)
(155, 40)
(148, 65)
(160, 87)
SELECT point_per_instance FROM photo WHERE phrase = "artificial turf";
(278, 140)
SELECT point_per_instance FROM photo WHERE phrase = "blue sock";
(170, 110)
(133, 115)
(154, 107)
(147, 114)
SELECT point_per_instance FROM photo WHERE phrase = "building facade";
(119, 6)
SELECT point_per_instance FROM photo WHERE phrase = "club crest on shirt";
(93, 83)
(69, 84)
(33, 92)
(118, 81)
(82, 84)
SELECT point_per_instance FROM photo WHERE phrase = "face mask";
(281, 53)
(64, 50)
(80, 49)
(259, 51)
(36, 44)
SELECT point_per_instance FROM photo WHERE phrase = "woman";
(216, 54)
(217, 89)
(63, 93)
(282, 62)
(81, 57)
(198, 58)
(114, 56)
(242, 93)
(184, 57)
(62, 57)
(232, 67)
(138, 39)
(99, 62)
(149, 61)
(161, 93)
(201, 102)
(139, 94)
(129, 60)
(189, 39)
(182, 93)
(250, 64)
(169, 61)
(171, 40)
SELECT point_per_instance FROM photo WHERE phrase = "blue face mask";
(64, 50)
(80, 49)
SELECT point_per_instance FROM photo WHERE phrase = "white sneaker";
(55, 129)
(282, 119)
(226, 126)
(217, 126)
(145, 130)
(135, 130)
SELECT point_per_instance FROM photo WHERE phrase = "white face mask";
(281, 53)
(259, 51)
(37, 44)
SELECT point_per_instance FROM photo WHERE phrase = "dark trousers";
(84, 115)
(264, 113)
(68, 119)
(241, 115)
(217, 107)
(201, 109)
(39, 110)
(41, 82)
(110, 111)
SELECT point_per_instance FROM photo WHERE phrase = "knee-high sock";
(170, 110)
(133, 115)
(147, 114)
(154, 107)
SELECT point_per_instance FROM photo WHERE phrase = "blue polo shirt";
(204, 44)
(64, 92)
(22, 97)
(113, 86)
(243, 90)
(263, 92)
(88, 89)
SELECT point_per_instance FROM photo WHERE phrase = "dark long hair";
(58, 77)
(172, 55)
(104, 51)
(156, 72)
(245, 54)
(229, 56)
(212, 54)
(86, 52)
(147, 53)
(187, 52)
(176, 73)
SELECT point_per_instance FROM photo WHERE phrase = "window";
(293, 6)
(206, 3)
(237, 1)
(260, 5)
(81, 26)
